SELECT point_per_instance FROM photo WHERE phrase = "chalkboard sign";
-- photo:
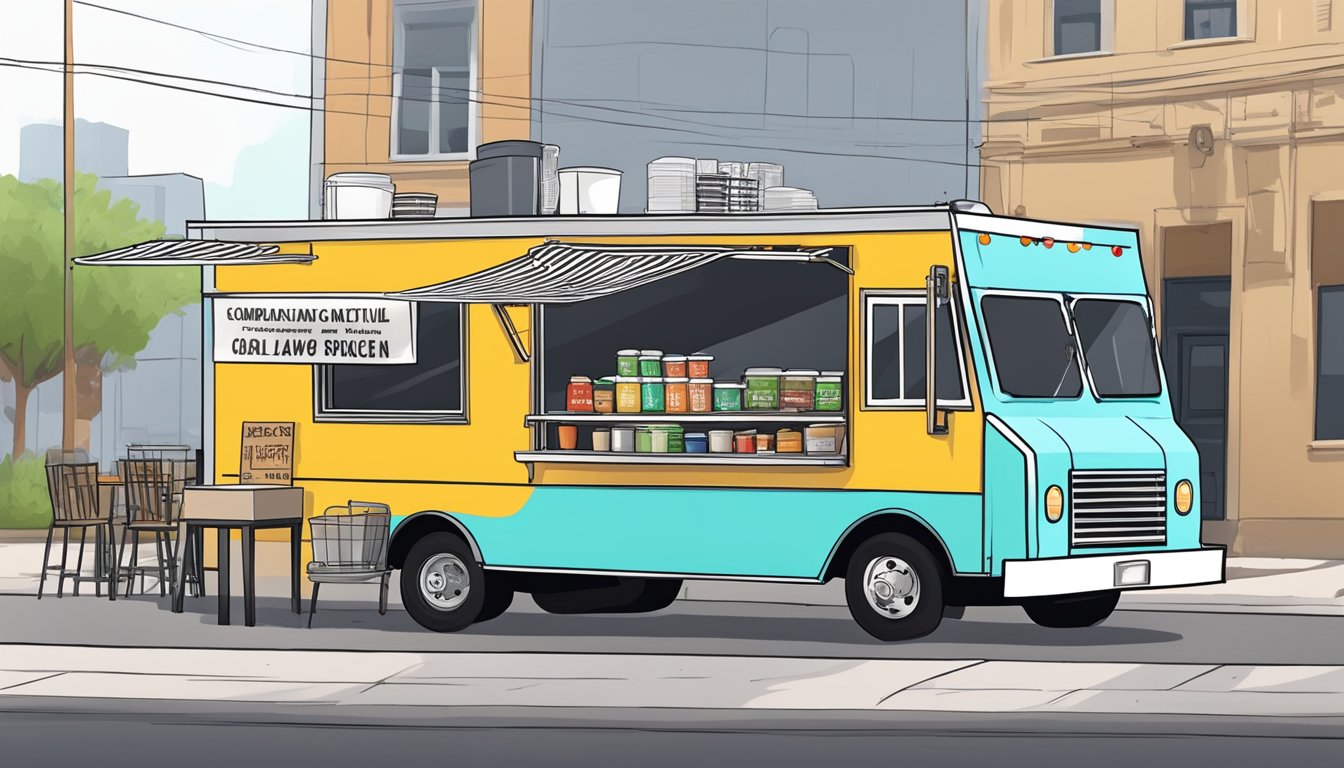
(268, 453)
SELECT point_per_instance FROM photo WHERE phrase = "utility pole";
(68, 404)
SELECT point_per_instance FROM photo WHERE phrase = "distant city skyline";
(174, 131)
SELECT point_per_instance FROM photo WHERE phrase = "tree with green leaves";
(115, 307)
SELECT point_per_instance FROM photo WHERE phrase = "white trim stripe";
(564, 273)
(193, 253)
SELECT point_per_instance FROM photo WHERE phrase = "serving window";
(746, 313)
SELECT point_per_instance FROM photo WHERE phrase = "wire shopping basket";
(351, 542)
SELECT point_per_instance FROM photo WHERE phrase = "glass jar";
(701, 395)
(650, 362)
(627, 362)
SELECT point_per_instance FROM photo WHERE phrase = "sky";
(252, 157)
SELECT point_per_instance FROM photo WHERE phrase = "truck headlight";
(1185, 497)
(1054, 504)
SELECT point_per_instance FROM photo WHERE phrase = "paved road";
(688, 627)
(59, 732)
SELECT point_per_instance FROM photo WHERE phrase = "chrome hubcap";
(444, 581)
(891, 586)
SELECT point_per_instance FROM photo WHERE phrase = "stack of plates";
(788, 199)
(672, 187)
(711, 192)
(414, 205)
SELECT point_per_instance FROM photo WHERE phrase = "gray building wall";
(100, 148)
(170, 198)
(866, 102)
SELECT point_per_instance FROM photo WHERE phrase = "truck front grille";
(1118, 507)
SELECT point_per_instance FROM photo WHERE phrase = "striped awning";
(175, 253)
(564, 273)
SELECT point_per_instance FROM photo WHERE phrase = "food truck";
(940, 406)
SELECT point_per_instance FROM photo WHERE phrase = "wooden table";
(246, 508)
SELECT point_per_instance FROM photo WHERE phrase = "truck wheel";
(1071, 611)
(442, 585)
(894, 588)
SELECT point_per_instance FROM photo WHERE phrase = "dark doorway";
(1195, 317)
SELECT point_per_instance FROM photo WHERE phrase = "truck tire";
(1071, 611)
(442, 586)
(894, 588)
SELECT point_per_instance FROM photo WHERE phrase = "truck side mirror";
(937, 293)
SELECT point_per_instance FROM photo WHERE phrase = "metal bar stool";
(73, 488)
(153, 497)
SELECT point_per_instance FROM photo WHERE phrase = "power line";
(21, 64)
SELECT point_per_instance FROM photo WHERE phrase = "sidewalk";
(1254, 585)
(338, 678)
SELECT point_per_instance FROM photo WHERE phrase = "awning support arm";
(511, 330)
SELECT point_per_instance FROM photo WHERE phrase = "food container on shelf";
(697, 365)
(765, 443)
(627, 362)
(622, 439)
(652, 394)
(601, 440)
(658, 441)
(720, 441)
(701, 395)
(650, 362)
(674, 366)
(789, 441)
(728, 396)
(675, 437)
(604, 395)
(744, 442)
(589, 190)
(830, 394)
(677, 394)
(824, 439)
(797, 390)
(579, 394)
(644, 440)
(628, 399)
(357, 196)
(697, 442)
(569, 437)
(762, 389)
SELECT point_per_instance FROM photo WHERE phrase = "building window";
(432, 389)
(1078, 26)
(1330, 362)
(1210, 19)
(433, 114)
(894, 337)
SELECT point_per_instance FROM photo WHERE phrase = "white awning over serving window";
(193, 253)
(564, 273)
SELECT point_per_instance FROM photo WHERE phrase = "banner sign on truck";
(314, 331)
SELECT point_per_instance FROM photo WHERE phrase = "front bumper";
(1097, 573)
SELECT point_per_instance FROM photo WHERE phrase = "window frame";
(324, 413)
(1318, 291)
(1105, 32)
(1238, 20)
(1146, 307)
(870, 298)
(400, 11)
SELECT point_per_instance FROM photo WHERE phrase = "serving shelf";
(768, 417)
(685, 459)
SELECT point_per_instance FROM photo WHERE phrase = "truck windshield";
(1034, 353)
(1118, 347)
